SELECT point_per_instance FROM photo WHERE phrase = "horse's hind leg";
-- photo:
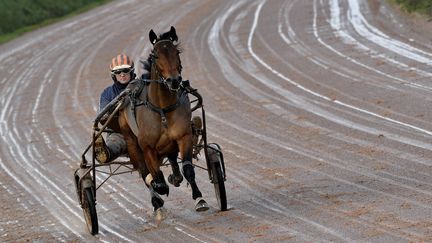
(176, 177)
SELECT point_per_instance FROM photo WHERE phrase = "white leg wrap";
(148, 179)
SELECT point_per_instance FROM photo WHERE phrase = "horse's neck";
(160, 95)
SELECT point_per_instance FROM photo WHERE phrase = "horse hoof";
(175, 179)
(160, 214)
(201, 205)
(161, 188)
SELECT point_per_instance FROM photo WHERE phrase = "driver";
(122, 72)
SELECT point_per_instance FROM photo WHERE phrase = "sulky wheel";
(89, 209)
(77, 185)
(218, 179)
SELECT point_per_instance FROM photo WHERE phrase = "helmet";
(121, 61)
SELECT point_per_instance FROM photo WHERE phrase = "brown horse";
(163, 122)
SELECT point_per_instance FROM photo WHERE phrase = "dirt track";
(322, 109)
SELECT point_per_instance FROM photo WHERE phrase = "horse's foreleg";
(156, 200)
(185, 147)
(156, 178)
(138, 160)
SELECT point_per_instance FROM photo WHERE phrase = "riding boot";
(101, 151)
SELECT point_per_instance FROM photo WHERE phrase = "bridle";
(181, 96)
(163, 80)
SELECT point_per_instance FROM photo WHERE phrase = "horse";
(162, 122)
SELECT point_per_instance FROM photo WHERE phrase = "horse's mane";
(148, 63)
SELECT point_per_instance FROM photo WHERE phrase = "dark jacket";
(110, 93)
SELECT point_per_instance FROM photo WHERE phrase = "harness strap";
(165, 110)
(132, 119)
(134, 97)
(136, 90)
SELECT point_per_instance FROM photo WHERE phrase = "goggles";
(123, 70)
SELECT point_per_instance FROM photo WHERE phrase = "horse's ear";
(152, 37)
(173, 34)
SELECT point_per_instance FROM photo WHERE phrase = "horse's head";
(166, 64)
